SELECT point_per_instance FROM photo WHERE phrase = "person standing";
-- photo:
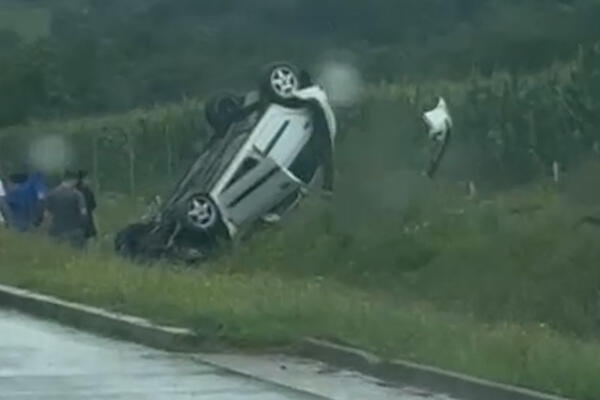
(25, 200)
(18, 202)
(4, 211)
(65, 206)
(84, 188)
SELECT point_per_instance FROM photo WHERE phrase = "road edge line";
(142, 331)
(407, 373)
(98, 320)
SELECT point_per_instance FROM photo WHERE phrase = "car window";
(247, 166)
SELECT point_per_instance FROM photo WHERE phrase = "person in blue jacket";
(25, 200)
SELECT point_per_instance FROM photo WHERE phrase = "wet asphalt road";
(42, 360)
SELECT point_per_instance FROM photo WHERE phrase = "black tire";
(221, 111)
(279, 81)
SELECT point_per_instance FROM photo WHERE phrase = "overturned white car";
(269, 147)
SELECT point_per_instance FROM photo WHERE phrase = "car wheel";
(280, 82)
(221, 110)
(201, 213)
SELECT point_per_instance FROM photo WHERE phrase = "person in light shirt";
(4, 215)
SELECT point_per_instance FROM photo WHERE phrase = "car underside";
(266, 152)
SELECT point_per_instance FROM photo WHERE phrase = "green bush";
(110, 56)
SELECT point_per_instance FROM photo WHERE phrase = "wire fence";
(509, 129)
(123, 153)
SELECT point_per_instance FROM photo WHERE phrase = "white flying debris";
(439, 121)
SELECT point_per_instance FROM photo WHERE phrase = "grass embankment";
(505, 289)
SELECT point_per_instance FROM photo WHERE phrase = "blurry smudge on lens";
(50, 153)
(342, 82)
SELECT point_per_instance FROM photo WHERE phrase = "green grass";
(489, 261)
(481, 290)
(263, 309)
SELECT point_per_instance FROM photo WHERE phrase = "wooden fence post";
(556, 171)
(95, 163)
(418, 94)
(131, 154)
(130, 148)
(169, 147)
(533, 139)
(472, 190)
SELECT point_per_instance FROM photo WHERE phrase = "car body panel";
(254, 194)
(267, 139)
(317, 95)
(279, 136)
(293, 135)
(284, 132)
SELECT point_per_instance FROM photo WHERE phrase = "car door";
(283, 132)
(259, 185)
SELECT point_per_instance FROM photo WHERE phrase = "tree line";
(104, 56)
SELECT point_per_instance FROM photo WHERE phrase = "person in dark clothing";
(67, 211)
(83, 186)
